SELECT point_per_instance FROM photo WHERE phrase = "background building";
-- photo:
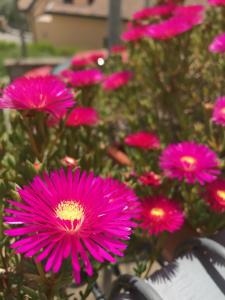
(81, 23)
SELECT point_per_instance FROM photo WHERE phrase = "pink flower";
(218, 44)
(88, 58)
(190, 161)
(154, 11)
(82, 116)
(143, 139)
(160, 214)
(216, 2)
(47, 94)
(215, 195)
(116, 80)
(219, 111)
(72, 214)
(134, 33)
(150, 178)
(120, 50)
(172, 27)
(83, 77)
(189, 10)
(37, 72)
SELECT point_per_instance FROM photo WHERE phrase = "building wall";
(59, 30)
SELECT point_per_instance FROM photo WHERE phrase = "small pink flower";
(143, 139)
(45, 93)
(154, 11)
(160, 214)
(216, 2)
(83, 77)
(88, 58)
(36, 72)
(219, 111)
(74, 215)
(134, 33)
(218, 44)
(69, 162)
(116, 80)
(82, 116)
(190, 161)
(120, 50)
(215, 195)
(173, 27)
(150, 178)
(189, 10)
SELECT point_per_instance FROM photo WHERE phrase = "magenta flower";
(190, 161)
(116, 80)
(172, 27)
(88, 58)
(82, 116)
(150, 178)
(46, 94)
(160, 214)
(215, 195)
(73, 214)
(134, 33)
(189, 10)
(216, 2)
(218, 44)
(219, 111)
(154, 11)
(143, 139)
(83, 77)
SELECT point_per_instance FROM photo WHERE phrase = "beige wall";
(82, 33)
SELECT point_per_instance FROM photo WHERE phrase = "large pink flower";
(215, 195)
(216, 2)
(72, 214)
(219, 111)
(134, 33)
(82, 116)
(89, 57)
(83, 77)
(172, 27)
(116, 80)
(160, 214)
(47, 94)
(190, 161)
(154, 11)
(218, 44)
(143, 139)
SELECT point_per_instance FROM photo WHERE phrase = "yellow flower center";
(223, 111)
(69, 211)
(221, 194)
(157, 212)
(189, 162)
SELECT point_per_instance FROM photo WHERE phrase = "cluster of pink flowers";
(217, 2)
(155, 11)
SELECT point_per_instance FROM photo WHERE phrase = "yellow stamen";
(157, 212)
(223, 111)
(69, 211)
(189, 160)
(221, 194)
